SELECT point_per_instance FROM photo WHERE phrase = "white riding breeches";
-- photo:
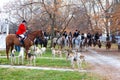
(22, 35)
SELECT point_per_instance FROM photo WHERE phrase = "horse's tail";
(7, 48)
(6, 42)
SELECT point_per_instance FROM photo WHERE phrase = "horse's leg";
(58, 45)
(71, 44)
(7, 51)
(12, 47)
(54, 44)
(41, 45)
(81, 45)
(61, 46)
(36, 45)
(26, 51)
(26, 54)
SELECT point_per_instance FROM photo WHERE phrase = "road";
(104, 63)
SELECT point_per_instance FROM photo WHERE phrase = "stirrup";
(21, 42)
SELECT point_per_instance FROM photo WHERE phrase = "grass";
(58, 63)
(28, 74)
(2, 53)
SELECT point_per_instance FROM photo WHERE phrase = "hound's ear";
(68, 54)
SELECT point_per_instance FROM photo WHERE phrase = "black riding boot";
(22, 41)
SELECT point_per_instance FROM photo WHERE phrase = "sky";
(2, 2)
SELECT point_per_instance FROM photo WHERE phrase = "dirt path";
(106, 65)
(40, 68)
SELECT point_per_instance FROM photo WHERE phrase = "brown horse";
(108, 45)
(12, 40)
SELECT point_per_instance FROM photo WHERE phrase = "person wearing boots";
(21, 31)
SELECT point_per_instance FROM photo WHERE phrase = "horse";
(42, 42)
(76, 42)
(84, 43)
(96, 42)
(60, 41)
(90, 41)
(12, 40)
(70, 42)
(108, 45)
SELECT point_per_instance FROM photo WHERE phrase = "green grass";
(2, 53)
(56, 63)
(28, 74)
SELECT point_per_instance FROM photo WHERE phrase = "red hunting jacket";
(21, 29)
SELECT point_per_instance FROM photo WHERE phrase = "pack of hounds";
(33, 53)
(75, 57)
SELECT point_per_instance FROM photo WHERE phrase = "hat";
(24, 21)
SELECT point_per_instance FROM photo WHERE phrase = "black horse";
(42, 42)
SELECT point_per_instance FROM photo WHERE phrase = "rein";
(30, 39)
(30, 36)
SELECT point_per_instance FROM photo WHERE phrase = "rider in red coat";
(21, 28)
(21, 31)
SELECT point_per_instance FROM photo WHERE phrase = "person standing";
(21, 31)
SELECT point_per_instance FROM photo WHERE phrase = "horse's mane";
(34, 32)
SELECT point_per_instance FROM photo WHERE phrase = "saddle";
(21, 39)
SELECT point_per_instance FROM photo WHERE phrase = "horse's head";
(35, 34)
(41, 35)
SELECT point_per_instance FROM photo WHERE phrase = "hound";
(21, 55)
(76, 58)
(31, 58)
(43, 49)
(12, 56)
(79, 55)
(38, 51)
(56, 52)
